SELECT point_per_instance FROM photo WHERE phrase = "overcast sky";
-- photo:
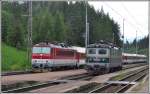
(135, 14)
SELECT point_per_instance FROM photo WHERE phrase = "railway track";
(84, 76)
(120, 88)
(128, 66)
(36, 86)
(113, 86)
(30, 71)
(62, 80)
(87, 76)
(16, 73)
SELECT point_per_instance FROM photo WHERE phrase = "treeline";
(56, 21)
(141, 44)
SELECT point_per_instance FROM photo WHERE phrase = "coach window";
(92, 51)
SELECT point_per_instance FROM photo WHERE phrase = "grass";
(118, 77)
(13, 59)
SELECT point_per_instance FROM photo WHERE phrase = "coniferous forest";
(56, 21)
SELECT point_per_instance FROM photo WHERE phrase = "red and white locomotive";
(50, 56)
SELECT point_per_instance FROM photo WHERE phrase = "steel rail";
(30, 71)
(76, 77)
(134, 73)
(124, 87)
(16, 73)
(99, 88)
(132, 66)
(28, 88)
(81, 77)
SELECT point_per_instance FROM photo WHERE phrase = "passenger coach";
(128, 58)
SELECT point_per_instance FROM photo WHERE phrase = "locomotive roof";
(100, 45)
(52, 45)
(78, 49)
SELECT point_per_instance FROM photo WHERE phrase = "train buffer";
(120, 82)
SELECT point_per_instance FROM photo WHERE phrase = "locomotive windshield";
(97, 51)
(92, 51)
(44, 50)
(101, 51)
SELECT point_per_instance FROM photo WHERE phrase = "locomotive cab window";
(102, 51)
(92, 51)
(44, 50)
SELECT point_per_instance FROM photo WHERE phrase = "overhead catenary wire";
(132, 17)
(123, 25)
(123, 17)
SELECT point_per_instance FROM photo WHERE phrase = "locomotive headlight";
(105, 60)
(35, 61)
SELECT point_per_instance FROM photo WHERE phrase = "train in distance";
(50, 56)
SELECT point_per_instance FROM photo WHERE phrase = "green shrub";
(13, 59)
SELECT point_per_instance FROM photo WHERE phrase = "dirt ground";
(39, 76)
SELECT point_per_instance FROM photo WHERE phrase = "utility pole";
(86, 24)
(30, 32)
(123, 37)
(113, 38)
(136, 43)
(87, 33)
(87, 27)
(0, 31)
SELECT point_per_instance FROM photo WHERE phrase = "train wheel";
(77, 66)
(111, 70)
(107, 70)
(50, 69)
(120, 68)
(33, 70)
(41, 70)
